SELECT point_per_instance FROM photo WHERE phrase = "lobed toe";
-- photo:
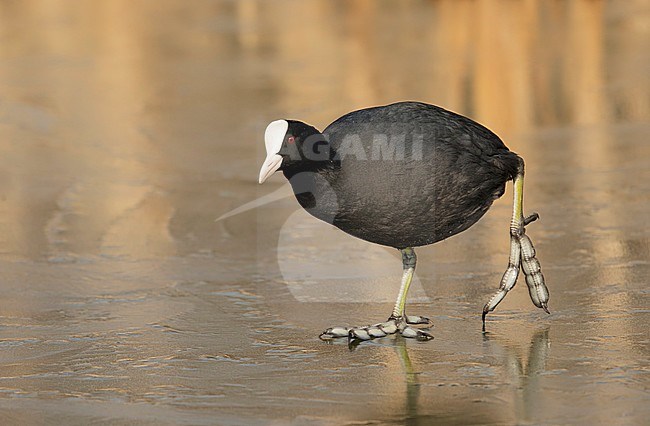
(359, 333)
(417, 320)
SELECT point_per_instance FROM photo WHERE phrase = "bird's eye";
(291, 139)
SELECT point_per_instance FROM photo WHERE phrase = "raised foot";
(401, 325)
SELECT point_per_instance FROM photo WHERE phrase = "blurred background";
(128, 127)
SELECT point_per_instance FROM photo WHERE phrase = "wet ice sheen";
(124, 302)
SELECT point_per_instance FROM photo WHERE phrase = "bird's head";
(292, 146)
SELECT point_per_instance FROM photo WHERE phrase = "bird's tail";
(509, 163)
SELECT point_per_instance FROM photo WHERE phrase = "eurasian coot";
(404, 175)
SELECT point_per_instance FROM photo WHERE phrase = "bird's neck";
(314, 188)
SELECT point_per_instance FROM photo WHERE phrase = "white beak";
(273, 137)
(270, 166)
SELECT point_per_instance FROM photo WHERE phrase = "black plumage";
(441, 174)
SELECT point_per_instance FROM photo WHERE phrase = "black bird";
(404, 175)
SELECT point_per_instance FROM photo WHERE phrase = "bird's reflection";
(410, 373)
(412, 380)
(522, 369)
(526, 376)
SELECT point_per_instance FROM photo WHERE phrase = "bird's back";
(411, 174)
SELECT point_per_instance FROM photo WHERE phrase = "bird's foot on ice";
(400, 325)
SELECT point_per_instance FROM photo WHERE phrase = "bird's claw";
(391, 326)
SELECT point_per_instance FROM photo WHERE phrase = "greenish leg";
(522, 256)
(398, 322)
(408, 261)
